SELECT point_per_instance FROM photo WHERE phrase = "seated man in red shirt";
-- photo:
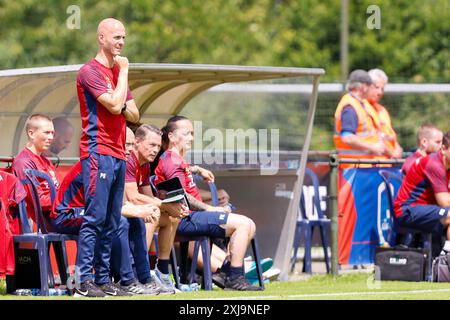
(205, 220)
(423, 201)
(429, 140)
(39, 130)
(138, 191)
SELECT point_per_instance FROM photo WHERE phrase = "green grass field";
(359, 286)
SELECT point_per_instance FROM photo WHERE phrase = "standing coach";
(105, 105)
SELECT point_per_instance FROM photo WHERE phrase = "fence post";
(334, 163)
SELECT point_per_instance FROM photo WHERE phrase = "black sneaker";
(114, 290)
(219, 279)
(241, 284)
(89, 289)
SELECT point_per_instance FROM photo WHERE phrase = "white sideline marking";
(337, 294)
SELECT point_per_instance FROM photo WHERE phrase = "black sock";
(152, 260)
(235, 272)
(225, 267)
(163, 266)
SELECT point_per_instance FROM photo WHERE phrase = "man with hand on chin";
(106, 103)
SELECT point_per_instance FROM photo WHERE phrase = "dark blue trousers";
(104, 182)
(130, 246)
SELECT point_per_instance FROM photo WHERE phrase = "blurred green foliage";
(411, 45)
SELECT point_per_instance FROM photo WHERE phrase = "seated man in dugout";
(423, 200)
(205, 219)
(138, 191)
(67, 217)
(40, 131)
(429, 140)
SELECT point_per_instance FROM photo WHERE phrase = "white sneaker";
(154, 286)
(272, 274)
(164, 280)
(137, 288)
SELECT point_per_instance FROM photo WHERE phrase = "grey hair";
(378, 74)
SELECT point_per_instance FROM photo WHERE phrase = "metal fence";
(276, 105)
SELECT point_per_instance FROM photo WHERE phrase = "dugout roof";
(160, 90)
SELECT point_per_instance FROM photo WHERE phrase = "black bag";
(441, 269)
(402, 264)
(27, 272)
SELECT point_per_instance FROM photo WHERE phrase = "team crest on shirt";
(108, 82)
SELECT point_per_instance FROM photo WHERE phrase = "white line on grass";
(336, 294)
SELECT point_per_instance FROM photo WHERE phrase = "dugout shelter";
(160, 91)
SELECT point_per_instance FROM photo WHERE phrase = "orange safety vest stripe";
(389, 135)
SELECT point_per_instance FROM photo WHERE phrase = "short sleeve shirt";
(349, 120)
(172, 165)
(102, 131)
(410, 161)
(422, 182)
(137, 173)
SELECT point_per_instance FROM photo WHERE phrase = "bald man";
(106, 103)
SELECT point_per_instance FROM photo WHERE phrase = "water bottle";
(188, 288)
(53, 292)
(23, 292)
(35, 292)
(195, 286)
(57, 292)
(185, 288)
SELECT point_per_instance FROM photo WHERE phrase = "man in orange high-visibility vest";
(357, 126)
(357, 135)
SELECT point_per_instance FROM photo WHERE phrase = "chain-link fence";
(284, 106)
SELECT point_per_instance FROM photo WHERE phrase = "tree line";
(411, 43)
